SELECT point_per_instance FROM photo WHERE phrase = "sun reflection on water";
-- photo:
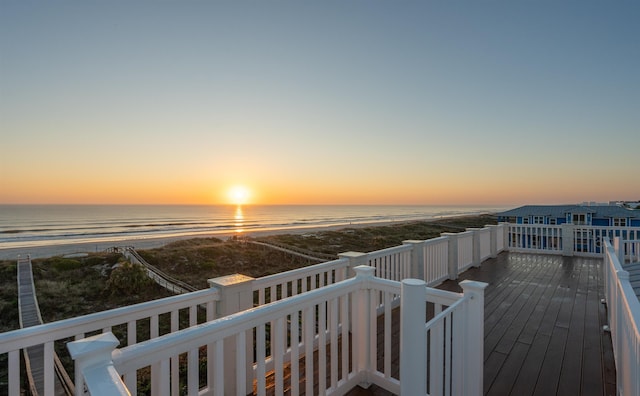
(239, 219)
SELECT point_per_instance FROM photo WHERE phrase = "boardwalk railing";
(161, 278)
(565, 239)
(332, 331)
(623, 308)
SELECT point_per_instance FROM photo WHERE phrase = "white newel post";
(413, 339)
(618, 247)
(567, 239)
(417, 258)
(476, 246)
(453, 254)
(92, 356)
(355, 259)
(493, 241)
(361, 312)
(474, 342)
(236, 294)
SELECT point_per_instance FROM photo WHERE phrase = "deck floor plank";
(543, 325)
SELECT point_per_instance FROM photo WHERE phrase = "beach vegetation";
(64, 264)
(368, 239)
(8, 296)
(128, 278)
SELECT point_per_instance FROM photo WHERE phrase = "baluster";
(295, 353)
(308, 348)
(346, 326)
(14, 373)
(241, 363)
(333, 333)
(322, 348)
(446, 340)
(436, 352)
(175, 360)
(48, 368)
(387, 335)
(277, 352)
(164, 370)
(260, 360)
(156, 375)
(79, 378)
(193, 371)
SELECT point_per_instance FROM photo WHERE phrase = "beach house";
(595, 215)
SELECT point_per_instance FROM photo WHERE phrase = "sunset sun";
(239, 195)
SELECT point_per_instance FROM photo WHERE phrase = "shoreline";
(150, 242)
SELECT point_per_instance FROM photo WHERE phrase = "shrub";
(128, 279)
(63, 264)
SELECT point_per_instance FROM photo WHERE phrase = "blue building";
(596, 215)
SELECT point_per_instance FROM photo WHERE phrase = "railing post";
(493, 241)
(417, 258)
(355, 259)
(475, 236)
(474, 339)
(567, 239)
(361, 312)
(453, 254)
(618, 247)
(236, 294)
(92, 355)
(506, 235)
(413, 340)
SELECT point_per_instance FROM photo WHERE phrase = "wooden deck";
(543, 326)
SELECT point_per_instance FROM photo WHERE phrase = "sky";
(325, 102)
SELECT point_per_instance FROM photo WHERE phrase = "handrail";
(309, 254)
(36, 335)
(297, 273)
(623, 309)
(176, 283)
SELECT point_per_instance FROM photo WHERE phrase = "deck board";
(543, 325)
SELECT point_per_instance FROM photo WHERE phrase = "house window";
(538, 219)
(619, 222)
(582, 241)
(525, 220)
(579, 219)
(553, 221)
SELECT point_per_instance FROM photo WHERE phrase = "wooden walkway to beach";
(543, 327)
(30, 316)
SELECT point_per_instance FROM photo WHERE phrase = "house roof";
(604, 211)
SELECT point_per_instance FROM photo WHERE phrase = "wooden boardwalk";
(30, 316)
(543, 327)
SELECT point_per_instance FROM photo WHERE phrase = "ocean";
(27, 226)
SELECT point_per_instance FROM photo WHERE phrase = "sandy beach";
(156, 242)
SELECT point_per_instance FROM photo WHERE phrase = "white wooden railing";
(433, 261)
(338, 322)
(393, 263)
(123, 321)
(623, 309)
(565, 239)
(286, 284)
(630, 251)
